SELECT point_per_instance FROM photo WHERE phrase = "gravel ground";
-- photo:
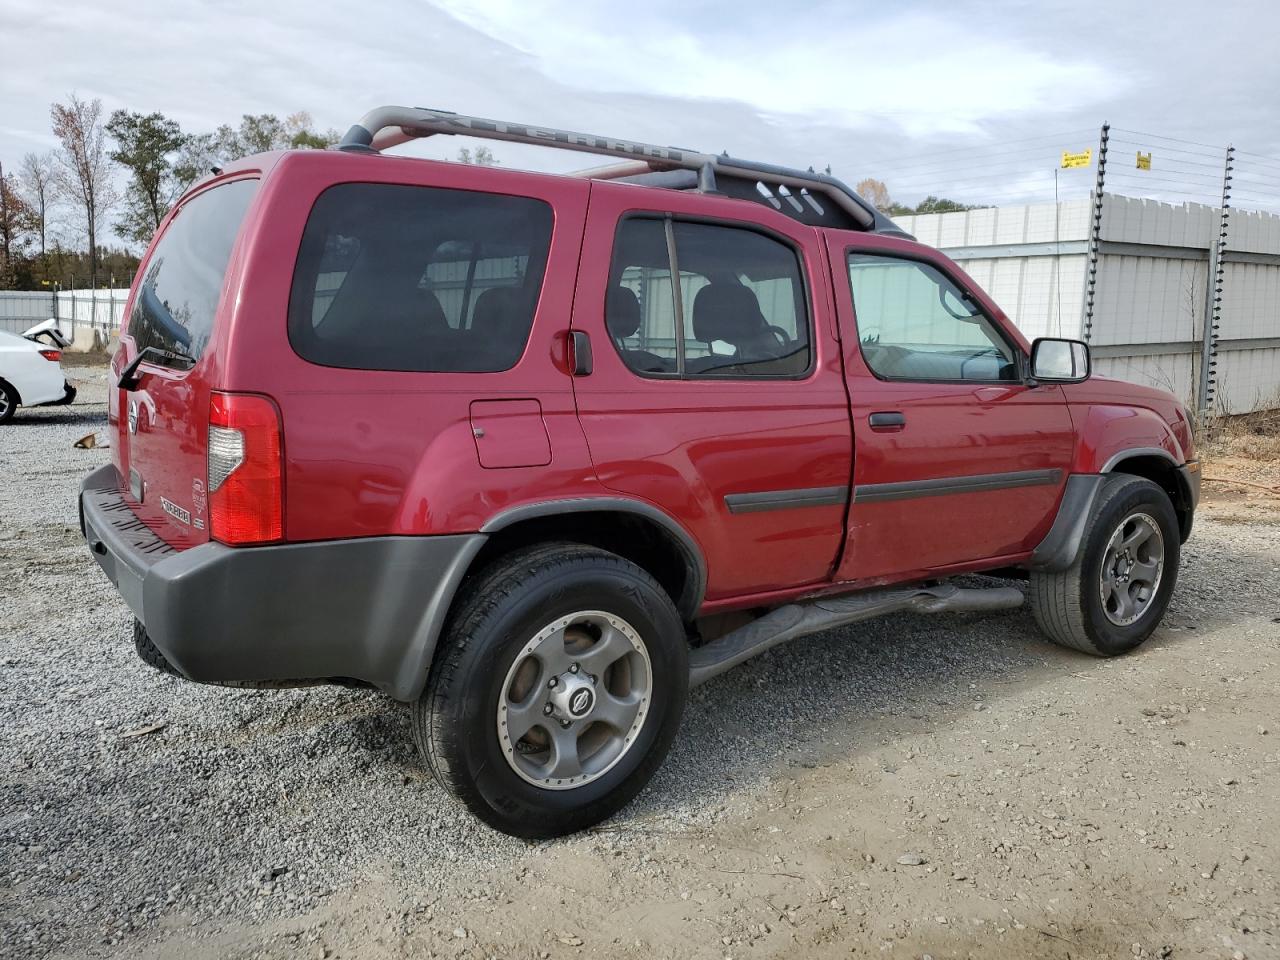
(949, 786)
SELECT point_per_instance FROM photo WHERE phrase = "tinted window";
(741, 309)
(396, 277)
(176, 300)
(915, 324)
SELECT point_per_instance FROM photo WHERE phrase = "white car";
(31, 371)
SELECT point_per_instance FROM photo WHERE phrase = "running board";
(801, 619)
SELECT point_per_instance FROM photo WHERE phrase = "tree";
(481, 157)
(15, 223)
(196, 158)
(298, 129)
(875, 192)
(145, 146)
(36, 177)
(932, 204)
(266, 131)
(83, 171)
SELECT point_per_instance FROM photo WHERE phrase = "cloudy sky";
(964, 97)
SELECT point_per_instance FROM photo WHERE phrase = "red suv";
(535, 453)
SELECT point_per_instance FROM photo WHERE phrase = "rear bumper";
(369, 609)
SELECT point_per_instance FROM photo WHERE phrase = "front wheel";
(8, 402)
(556, 692)
(1115, 594)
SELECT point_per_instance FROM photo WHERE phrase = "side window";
(737, 308)
(178, 296)
(393, 277)
(915, 324)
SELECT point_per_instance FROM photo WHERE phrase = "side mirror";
(1059, 361)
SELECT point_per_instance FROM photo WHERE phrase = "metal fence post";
(1213, 298)
(1095, 233)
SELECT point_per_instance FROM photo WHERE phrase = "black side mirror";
(1054, 360)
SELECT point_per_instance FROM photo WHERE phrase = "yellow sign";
(1070, 160)
(1144, 161)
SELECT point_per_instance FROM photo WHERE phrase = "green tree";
(298, 128)
(480, 156)
(266, 131)
(146, 146)
(196, 158)
(932, 204)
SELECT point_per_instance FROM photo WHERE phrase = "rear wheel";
(556, 692)
(8, 402)
(1115, 594)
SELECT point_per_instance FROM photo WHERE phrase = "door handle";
(579, 353)
(887, 420)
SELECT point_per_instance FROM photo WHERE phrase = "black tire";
(149, 653)
(8, 402)
(497, 613)
(1068, 604)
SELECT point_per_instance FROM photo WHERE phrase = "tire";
(460, 723)
(1078, 608)
(8, 402)
(149, 653)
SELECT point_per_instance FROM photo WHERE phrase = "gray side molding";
(695, 565)
(1058, 550)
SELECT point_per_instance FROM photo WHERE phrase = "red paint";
(373, 453)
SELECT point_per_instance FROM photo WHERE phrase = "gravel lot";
(947, 786)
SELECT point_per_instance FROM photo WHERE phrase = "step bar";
(802, 619)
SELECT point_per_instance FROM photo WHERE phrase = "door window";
(736, 310)
(914, 323)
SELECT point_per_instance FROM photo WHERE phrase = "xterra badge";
(175, 511)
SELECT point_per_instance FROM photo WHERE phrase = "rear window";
(393, 277)
(178, 295)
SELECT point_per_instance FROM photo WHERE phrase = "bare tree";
(36, 178)
(83, 172)
(875, 192)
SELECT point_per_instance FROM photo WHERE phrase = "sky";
(964, 98)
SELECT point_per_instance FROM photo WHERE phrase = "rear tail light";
(246, 472)
(53, 355)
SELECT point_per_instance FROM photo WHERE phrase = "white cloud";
(925, 72)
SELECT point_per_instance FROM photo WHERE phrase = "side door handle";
(580, 361)
(887, 420)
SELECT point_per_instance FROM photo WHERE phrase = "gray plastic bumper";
(368, 609)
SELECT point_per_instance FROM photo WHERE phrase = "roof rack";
(796, 193)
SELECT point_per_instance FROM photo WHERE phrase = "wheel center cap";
(573, 697)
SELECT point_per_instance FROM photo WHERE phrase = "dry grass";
(1252, 436)
(1241, 457)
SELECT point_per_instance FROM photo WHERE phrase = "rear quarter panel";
(375, 453)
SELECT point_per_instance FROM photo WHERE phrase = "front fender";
(1110, 433)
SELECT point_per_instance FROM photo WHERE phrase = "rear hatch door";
(163, 419)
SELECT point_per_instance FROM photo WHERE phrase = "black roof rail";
(797, 193)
